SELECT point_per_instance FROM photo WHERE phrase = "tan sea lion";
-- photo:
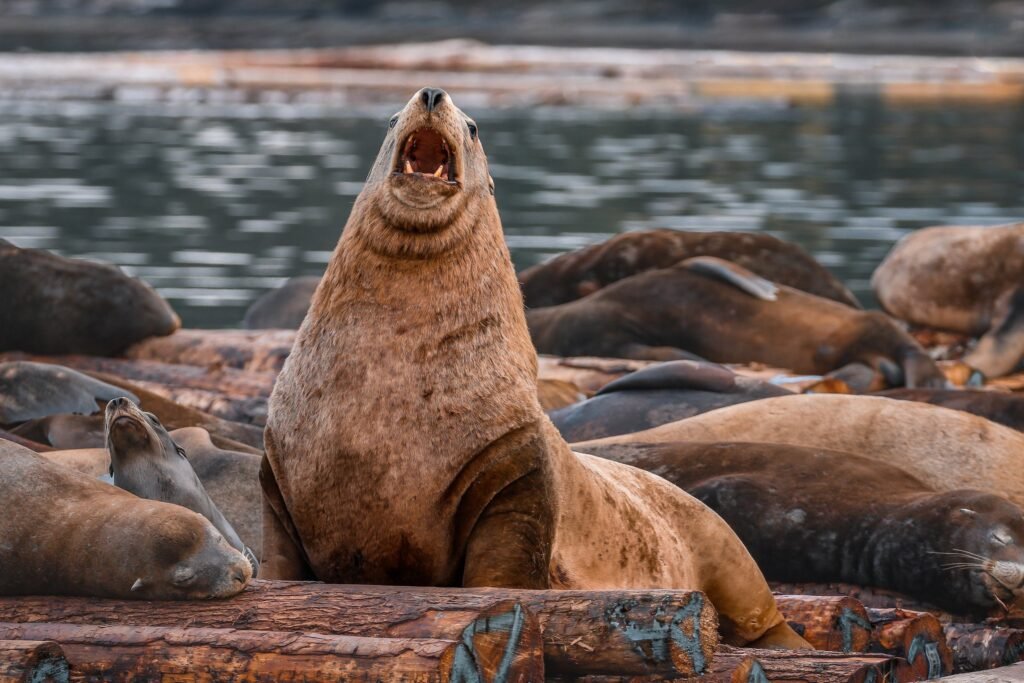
(817, 515)
(576, 274)
(1006, 408)
(57, 305)
(946, 449)
(65, 533)
(406, 444)
(967, 279)
(725, 313)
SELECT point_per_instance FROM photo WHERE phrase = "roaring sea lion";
(726, 314)
(811, 514)
(576, 274)
(967, 279)
(282, 308)
(1006, 408)
(665, 392)
(33, 390)
(406, 444)
(57, 305)
(946, 449)
(65, 533)
(146, 461)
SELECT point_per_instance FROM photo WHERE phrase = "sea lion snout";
(432, 98)
(126, 425)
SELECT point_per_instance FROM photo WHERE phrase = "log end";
(33, 661)
(503, 645)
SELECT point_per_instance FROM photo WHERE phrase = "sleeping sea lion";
(31, 390)
(146, 461)
(945, 449)
(811, 514)
(576, 274)
(57, 305)
(726, 314)
(65, 533)
(662, 393)
(405, 442)
(967, 279)
(282, 308)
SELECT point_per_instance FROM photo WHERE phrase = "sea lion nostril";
(432, 98)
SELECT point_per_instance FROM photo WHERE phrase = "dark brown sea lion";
(1006, 408)
(726, 314)
(146, 461)
(809, 514)
(59, 305)
(406, 444)
(33, 390)
(578, 273)
(967, 279)
(946, 449)
(65, 533)
(282, 308)
(665, 392)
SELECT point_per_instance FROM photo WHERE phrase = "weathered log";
(1005, 674)
(916, 637)
(253, 350)
(122, 653)
(22, 441)
(978, 647)
(869, 597)
(32, 661)
(248, 411)
(828, 622)
(600, 632)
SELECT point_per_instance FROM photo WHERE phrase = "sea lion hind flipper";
(1001, 349)
(735, 275)
(283, 555)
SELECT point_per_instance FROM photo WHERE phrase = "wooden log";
(27, 443)
(248, 411)
(916, 637)
(632, 632)
(253, 350)
(975, 647)
(869, 597)
(1005, 674)
(123, 653)
(32, 661)
(828, 622)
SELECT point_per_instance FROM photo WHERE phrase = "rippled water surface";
(214, 205)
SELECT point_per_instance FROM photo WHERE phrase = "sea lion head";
(132, 433)
(179, 555)
(430, 185)
(987, 545)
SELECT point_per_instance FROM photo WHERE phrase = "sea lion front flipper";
(283, 557)
(781, 637)
(735, 275)
(1000, 350)
(682, 374)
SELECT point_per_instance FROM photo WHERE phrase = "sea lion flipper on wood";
(684, 374)
(735, 275)
(283, 557)
(1000, 350)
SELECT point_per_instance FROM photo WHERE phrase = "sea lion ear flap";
(138, 585)
(490, 184)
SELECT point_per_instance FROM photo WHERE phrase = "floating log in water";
(32, 661)
(632, 632)
(916, 637)
(489, 649)
(253, 350)
(869, 597)
(978, 647)
(828, 622)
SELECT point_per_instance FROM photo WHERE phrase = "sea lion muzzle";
(427, 154)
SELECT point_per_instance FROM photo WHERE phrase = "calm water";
(215, 204)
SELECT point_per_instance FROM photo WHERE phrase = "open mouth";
(426, 154)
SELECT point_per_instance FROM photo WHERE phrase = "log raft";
(916, 637)
(828, 622)
(622, 632)
(976, 647)
(32, 661)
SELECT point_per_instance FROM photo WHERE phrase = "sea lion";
(282, 308)
(405, 442)
(59, 305)
(967, 279)
(576, 274)
(1006, 408)
(665, 392)
(864, 522)
(726, 314)
(65, 533)
(946, 449)
(146, 461)
(31, 390)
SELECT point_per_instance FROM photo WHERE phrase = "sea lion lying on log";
(662, 393)
(59, 305)
(1006, 408)
(578, 273)
(32, 390)
(967, 279)
(811, 514)
(726, 314)
(282, 308)
(65, 533)
(945, 449)
(406, 444)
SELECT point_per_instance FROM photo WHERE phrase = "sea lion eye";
(152, 418)
(393, 122)
(1000, 538)
(183, 576)
(472, 130)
